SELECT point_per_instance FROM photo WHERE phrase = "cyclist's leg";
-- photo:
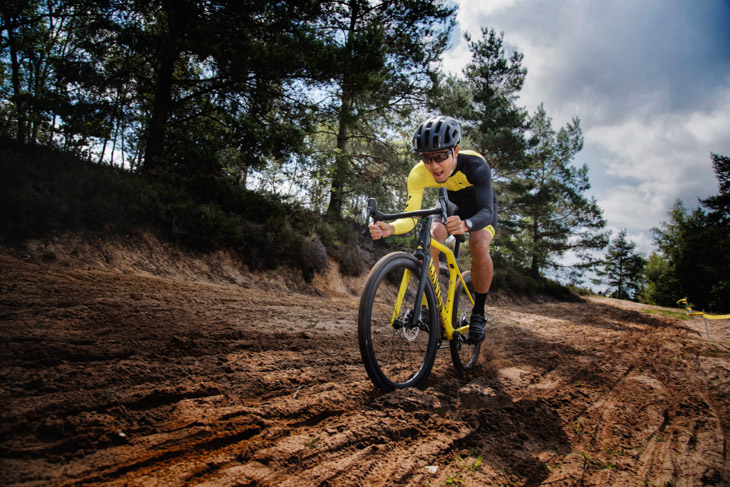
(439, 232)
(482, 270)
(482, 267)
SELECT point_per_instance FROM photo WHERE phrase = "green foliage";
(720, 296)
(496, 78)
(719, 205)
(661, 285)
(382, 55)
(580, 291)
(695, 252)
(161, 82)
(518, 281)
(688, 246)
(211, 88)
(548, 197)
(44, 192)
(543, 210)
(486, 101)
(623, 269)
(340, 237)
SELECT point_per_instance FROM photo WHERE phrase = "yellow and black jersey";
(469, 188)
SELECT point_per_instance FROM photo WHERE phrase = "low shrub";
(43, 191)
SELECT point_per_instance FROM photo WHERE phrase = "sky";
(648, 79)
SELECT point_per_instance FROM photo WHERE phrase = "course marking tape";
(699, 313)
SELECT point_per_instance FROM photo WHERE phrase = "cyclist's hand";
(380, 230)
(456, 225)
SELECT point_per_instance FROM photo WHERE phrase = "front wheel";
(464, 355)
(397, 351)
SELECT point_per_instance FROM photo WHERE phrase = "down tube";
(455, 276)
(444, 311)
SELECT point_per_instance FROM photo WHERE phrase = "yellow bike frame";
(444, 311)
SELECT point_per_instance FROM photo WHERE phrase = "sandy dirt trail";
(137, 364)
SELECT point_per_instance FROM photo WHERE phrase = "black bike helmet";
(437, 134)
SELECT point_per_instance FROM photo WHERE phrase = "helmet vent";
(437, 133)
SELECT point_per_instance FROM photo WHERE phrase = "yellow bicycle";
(403, 318)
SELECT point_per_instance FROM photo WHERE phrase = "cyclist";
(468, 179)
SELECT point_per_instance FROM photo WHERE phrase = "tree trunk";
(341, 170)
(339, 175)
(621, 279)
(103, 151)
(535, 268)
(162, 103)
(15, 73)
(161, 107)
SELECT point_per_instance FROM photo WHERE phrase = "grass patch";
(678, 315)
(578, 427)
(453, 480)
(312, 442)
(470, 461)
(550, 467)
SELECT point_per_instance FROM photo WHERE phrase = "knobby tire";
(396, 357)
(463, 355)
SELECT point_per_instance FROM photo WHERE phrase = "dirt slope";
(131, 363)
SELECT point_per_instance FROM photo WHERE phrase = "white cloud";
(650, 82)
(713, 127)
(468, 8)
(644, 240)
(660, 157)
(635, 207)
(457, 58)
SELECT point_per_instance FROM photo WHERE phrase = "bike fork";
(426, 259)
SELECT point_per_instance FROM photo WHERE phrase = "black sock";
(479, 301)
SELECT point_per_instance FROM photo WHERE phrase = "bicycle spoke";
(398, 349)
(463, 355)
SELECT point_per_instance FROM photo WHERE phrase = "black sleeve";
(481, 178)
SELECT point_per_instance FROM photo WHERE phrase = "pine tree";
(695, 249)
(485, 101)
(720, 203)
(623, 268)
(549, 203)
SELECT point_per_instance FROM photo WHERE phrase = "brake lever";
(373, 213)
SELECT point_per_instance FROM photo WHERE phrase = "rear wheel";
(464, 355)
(397, 351)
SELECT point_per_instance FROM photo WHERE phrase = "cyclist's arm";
(416, 186)
(483, 197)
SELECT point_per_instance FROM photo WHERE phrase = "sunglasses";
(435, 157)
